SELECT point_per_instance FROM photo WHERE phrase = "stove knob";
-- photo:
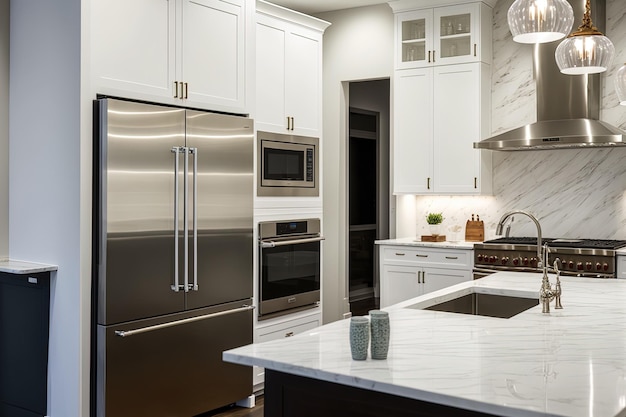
(525, 261)
(599, 266)
(588, 266)
(563, 264)
(479, 257)
(495, 259)
(605, 266)
(517, 261)
(533, 262)
(579, 266)
(570, 264)
(505, 260)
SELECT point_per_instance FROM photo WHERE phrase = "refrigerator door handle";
(176, 151)
(127, 333)
(186, 220)
(194, 151)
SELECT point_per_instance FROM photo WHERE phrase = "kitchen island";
(571, 362)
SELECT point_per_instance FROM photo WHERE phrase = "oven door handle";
(274, 244)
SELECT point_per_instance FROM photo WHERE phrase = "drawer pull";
(289, 334)
(421, 256)
(452, 257)
(400, 254)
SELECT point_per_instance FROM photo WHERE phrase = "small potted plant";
(434, 221)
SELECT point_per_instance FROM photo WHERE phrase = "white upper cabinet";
(182, 52)
(442, 35)
(288, 71)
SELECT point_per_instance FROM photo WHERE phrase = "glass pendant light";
(540, 21)
(620, 85)
(586, 51)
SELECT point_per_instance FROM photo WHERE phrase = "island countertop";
(571, 362)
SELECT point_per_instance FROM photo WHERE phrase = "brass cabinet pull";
(421, 256)
(428, 183)
(423, 277)
(475, 182)
(433, 55)
(186, 90)
(419, 277)
(175, 89)
(452, 257)
(288, 334)
(399, 254)
(429, 56)
(474, 49)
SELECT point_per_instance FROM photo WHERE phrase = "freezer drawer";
(175, 370)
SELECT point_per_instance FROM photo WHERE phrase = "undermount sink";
(480, 304)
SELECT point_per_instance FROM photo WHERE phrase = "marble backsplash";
(573, 192)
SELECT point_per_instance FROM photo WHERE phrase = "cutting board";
(474, 230)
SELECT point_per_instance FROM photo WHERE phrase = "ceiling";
(318, 6)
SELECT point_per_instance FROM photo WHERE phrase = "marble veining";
(567, 363)
(409, 241)
(574, 192)
(23, 267)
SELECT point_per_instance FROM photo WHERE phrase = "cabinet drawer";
(621, 267)
(448, 258)
(287, 328)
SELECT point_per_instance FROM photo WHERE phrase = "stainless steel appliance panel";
(224, 189)
(175, 370)
(136, 222)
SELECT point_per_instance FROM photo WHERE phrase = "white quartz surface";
(571, 362)
(409, 241)
(23, 267)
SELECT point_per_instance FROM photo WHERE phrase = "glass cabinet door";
(455, 29)
(415, 39)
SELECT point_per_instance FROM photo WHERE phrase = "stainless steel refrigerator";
(173, 246)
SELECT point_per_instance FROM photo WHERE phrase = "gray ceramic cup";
(359, 337)
(379, 323)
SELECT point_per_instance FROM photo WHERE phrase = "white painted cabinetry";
(621, 266)
(438, 114)
(441, 35)
(288, 71)
(408, 272)
(280, 328)
(192, 53)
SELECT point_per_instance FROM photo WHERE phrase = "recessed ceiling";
(319, 6)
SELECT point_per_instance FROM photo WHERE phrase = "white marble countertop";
(571, 362)
(411, 241)
(22, 267)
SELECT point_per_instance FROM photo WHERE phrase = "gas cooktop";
(562, 243)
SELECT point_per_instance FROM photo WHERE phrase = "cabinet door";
(456, 32)
(413, 132)
(211, 52)
(133, 47)
(399, 283)
(414, 39)
(434, 279)
(303, 81)
(456, 127)
(270, 75)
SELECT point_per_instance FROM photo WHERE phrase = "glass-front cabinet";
(443, 35)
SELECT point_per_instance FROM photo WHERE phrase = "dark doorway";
(368, 185)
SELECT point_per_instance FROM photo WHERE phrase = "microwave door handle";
(274, 244)
(194, 151)
(176, 152)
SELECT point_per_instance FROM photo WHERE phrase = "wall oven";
(287, 165)
(289, 266)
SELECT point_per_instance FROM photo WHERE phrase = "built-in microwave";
(287, 165)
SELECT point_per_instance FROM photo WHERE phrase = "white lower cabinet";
(408, 272)
(621, 267)
(280, 328)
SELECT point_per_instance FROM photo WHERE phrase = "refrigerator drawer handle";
(273, 244)
(127, 333)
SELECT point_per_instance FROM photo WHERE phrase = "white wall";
(4, 129)
(573, 192)
(357, 46)
(47, 194)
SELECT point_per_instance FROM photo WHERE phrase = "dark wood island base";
(288, 395)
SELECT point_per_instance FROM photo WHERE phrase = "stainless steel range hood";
(568, 106)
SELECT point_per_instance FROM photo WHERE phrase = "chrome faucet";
(503, 219)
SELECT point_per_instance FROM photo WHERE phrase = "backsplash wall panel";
(573, 192)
